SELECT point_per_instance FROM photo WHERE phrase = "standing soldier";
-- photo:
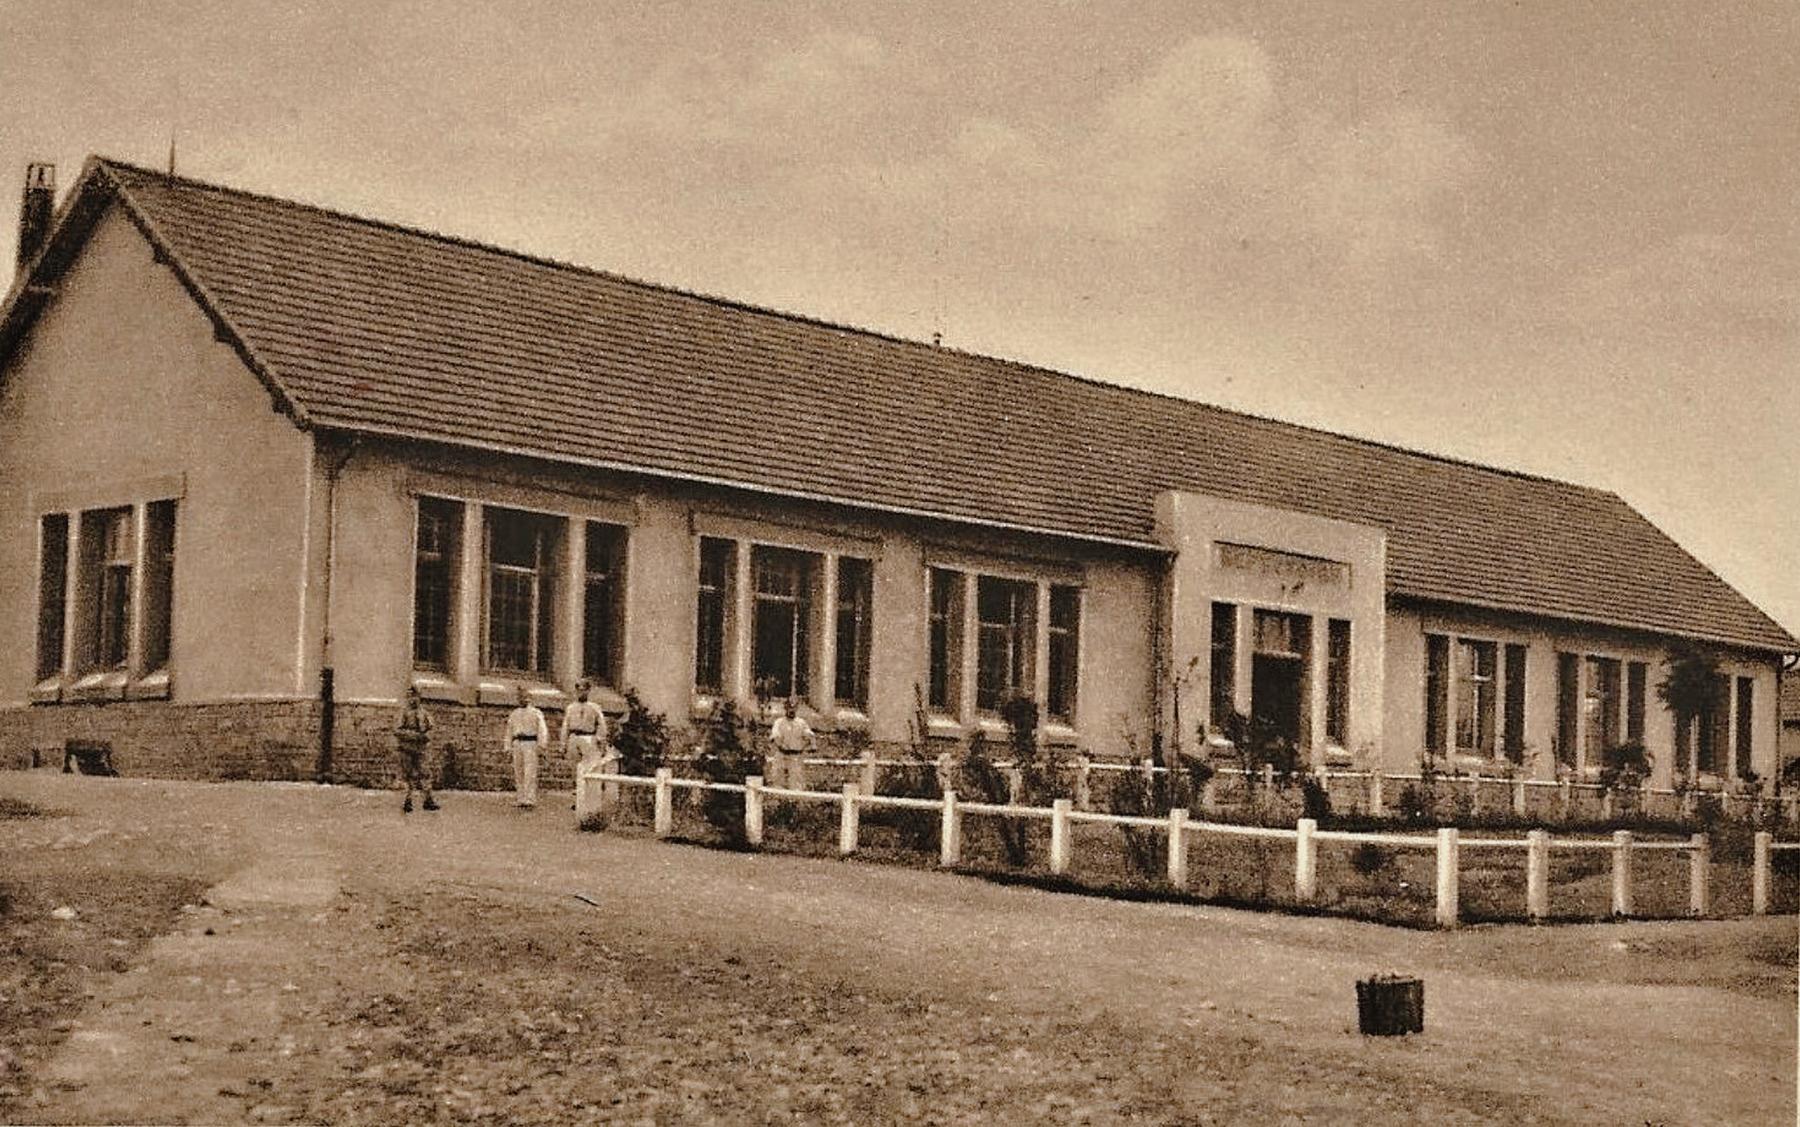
(413, 734)
(525, 733)
(583, 729)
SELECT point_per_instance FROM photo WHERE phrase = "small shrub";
(1415, 804)
(1134, 794)
(592, 823)
(1315, 799)
(1368, 859)
(728, 754)
(642, 740)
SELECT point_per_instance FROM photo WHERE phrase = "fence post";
(869, 778)
(1606, 804)
(1699, 869)
(1621, 892)
(1178, 869)
(1687, 803)
(950, 833)
(847, 822)
(1377, 781)
(1518, 797)
(1447, 877)
(1268, 777)
(1059, 836)
(1537, 874)
(1306, 860)
(944, 766)
(1474, 794)
(1567, 796)
(582, 795)
(1759, 874)
(609, 791)
(753, 810)
(1209, 795)
(1015, 785)
(796, 772)
(1084, 781)
(665, 807)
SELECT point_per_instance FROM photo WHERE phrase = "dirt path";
(369, 968)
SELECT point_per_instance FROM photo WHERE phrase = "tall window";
(1437, 693)
(1746, 730)
(521, 584)
(53, 580)
(603, 602)
(159, 581)
(1006, 643)
(944, 693)
(718, 568)
(1337, 682)
(1475, 685)
(1222, 694)
(1513, 720)
(855, 607)
(782, 661)
(114, 546)
(1715, 726)
(1568, 708)
(436, 554)
(1635, 675)
(1600, 709)
(1065, 652)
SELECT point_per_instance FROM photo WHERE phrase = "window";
(1746, 731)
(1223, 688)
(1600, 710)
(782, 582)
(1568, 708)
(1635, 675)
(108, 546)
(1437, 693)
(1065, 651)
(1715, 726)
(855, 603)
(603, 602)
(1281, 675)
(1006, 642)
(1337, 682)
(718, 570)
(521, 553)
(1475, 697)
(437, 552)
(946, 641)
(1513, 721)
(159, 582)
(53, 580)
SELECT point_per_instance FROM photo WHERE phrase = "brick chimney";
(36, 209)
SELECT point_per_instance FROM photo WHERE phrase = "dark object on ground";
(1389, 1005)
(88, 757)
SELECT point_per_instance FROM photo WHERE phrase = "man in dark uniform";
(413, 734)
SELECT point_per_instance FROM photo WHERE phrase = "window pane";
(1007, 639)
(1746, 731)
(945, 691)
(436, 562)
(1337, 683)
(781, 661)
(855, 594)
(1223, 686)
(603, 603)
(1568, 707)
(1065, 652)
(1600, 710)
(718, 562)
(53, 581)
(107, 550)
(159, 582)
(1475, 698)
(521, 548)
(1715, 726)
(1513, 736)
(1437, 692)
(1636, 675)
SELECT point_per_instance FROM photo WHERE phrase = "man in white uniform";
(584, 730)
(526, 732)
(793, 737)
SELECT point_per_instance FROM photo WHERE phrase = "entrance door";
(1275, 694)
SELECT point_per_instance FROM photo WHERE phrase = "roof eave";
(1787, 645)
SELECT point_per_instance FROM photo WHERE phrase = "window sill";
(1338, 757)
(106, 685)
(939, 727)
(848, 720)
(492, 689)
(47, 691)
(438, 687)
(154, 686)
(1060, 735)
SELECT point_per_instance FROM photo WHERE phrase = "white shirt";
(584, 718)
(791, 734)
(526, 720)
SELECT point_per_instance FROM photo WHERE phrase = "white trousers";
(524, 757)
(586, 752)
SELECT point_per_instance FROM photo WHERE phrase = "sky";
(1560, 238)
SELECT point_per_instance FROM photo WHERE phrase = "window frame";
(1017, 635)
(53, 576)
(802, 569)
(540, 621)
(608, 667)
(455, 513)
(856, 609)
(1062, 655)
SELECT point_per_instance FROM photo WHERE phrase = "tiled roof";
(367, 326)
(1790, 695)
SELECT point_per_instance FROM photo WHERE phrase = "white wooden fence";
(599, 791)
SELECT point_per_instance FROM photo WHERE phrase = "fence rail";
(598, 791)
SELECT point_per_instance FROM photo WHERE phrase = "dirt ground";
(285, 953)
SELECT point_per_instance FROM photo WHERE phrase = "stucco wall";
(1543, 639)
(119, 388)
(372, 578)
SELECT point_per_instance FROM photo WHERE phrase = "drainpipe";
(334, 465)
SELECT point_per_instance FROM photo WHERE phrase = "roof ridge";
(1182, 402)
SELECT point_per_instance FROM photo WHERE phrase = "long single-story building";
(263, 466)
